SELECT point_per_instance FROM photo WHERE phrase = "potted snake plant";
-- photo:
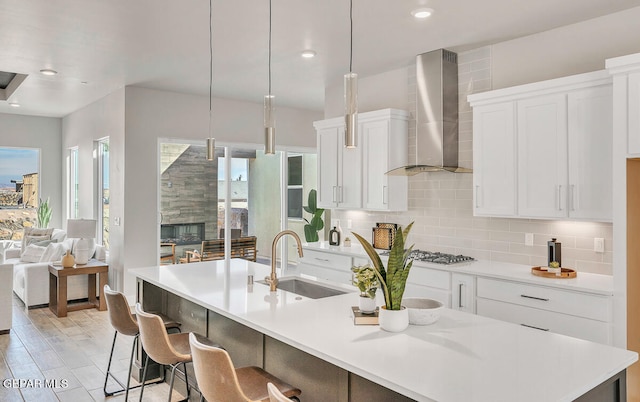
(393, 279)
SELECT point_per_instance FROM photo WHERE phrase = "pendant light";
(269, 108)
(211, 142)
(350, 93)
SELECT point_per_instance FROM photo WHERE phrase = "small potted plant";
(393, 316)
(364, 277)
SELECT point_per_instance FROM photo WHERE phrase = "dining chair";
(125, 323)
(219, 381)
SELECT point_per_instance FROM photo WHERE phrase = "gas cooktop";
(436, 257)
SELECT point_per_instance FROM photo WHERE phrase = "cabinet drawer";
(412, 290)
(562, 301)
(578, 327)
(430, 277)
(335, 261)
(328, 274)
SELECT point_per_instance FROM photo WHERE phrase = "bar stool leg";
(144, 376)
(106, 377)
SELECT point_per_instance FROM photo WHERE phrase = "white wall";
(103, 118)
(441, 203)
(574, 49)
(44, 133)
(380, 91)
(152, 114)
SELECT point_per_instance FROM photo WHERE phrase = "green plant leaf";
(313, 200)
(310, 234)
(307, 209)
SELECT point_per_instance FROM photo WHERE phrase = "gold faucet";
(273, 280)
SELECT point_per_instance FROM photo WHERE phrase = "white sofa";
(31, 279)
(6, 317)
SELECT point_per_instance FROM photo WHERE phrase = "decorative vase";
(393, 320)
(367, 305)
(68, 261)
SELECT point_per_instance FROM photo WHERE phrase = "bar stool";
(125, 323)
(167, 349)
(219, 381)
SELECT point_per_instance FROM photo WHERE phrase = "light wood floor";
(76, 348)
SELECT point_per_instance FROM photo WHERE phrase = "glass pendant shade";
(269, 125)
(211, 148)
(351, 109)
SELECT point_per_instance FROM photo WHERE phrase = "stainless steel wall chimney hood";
(436, 140)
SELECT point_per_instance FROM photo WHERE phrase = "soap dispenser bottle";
(334, 237)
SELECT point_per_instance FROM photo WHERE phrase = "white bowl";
(422, 311)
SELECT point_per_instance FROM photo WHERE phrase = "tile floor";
(71, 353)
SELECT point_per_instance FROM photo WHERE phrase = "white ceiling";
(164, 44)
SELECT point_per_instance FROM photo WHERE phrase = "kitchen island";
(314, 345)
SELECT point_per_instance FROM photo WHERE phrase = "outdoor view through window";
(19, 190)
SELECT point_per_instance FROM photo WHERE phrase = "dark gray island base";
(318, 379)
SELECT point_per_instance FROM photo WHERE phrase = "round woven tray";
(566, 273)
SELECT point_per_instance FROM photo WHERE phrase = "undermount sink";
(306, 288)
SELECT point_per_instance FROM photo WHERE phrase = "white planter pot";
(393, 320)
(367, 304)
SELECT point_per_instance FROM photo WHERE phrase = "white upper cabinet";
(339, 168)
(355, 178)
(590, 153)
(542, 156)
(561, 131)
(385, 146)
(494, 162)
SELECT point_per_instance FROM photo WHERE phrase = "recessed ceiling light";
(308, 54)
(13, 104)
(422, 12)
(48, 71)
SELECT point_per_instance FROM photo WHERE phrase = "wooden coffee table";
(58, 287)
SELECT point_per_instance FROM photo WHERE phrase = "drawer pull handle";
(531, 326)
(460, 295)
(534, 298)
(322, 259)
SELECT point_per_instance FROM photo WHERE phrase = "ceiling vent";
(9, 82)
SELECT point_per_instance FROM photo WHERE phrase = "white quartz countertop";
(584, 281)
(461, 358)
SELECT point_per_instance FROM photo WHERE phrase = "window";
(73, 183)
(103, 192)
(294, 187)
(19, 189)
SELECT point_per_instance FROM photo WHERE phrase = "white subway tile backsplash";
(440, 203)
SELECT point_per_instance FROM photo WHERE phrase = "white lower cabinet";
(463, 292)
(581, 315)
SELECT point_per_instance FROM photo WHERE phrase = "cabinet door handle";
(559, 198)
(460, 286)
(531, 326)
(477, 206)
(334, 193)
(385, 193)
(572, 193)
(534, 298)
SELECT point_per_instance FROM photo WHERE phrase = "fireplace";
(182, 233)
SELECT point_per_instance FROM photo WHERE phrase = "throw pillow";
(58, 235)
(53, 252)
(35, 232)
(43, 243)
(32, 253)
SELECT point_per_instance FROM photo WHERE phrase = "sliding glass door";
(247, 195)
